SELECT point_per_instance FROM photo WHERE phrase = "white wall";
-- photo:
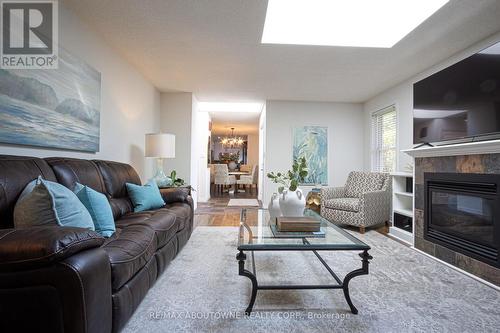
(175, 117)
(402, 96)
(203, 173)
(253, 149)
(130, 105)
(345, 137)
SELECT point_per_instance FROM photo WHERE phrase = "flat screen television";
(460, 103)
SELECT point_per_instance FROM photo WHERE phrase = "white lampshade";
(160, 145)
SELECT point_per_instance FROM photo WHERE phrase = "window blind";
(384, 140)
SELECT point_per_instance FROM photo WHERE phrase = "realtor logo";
(29, 35)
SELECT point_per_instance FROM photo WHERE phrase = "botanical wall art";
(57, 108)
(311, 142)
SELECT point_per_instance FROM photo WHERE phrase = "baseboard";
(401, 235)
(489, 284)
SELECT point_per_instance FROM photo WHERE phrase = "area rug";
(243, 203)
(405, 291)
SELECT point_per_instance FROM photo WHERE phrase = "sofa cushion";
(361, 182)
(145, 197)
(99, 209)
(44, 203)
(115, 175)
(15, 173)
(348, 204)
(182, 211)
(164, 223)
(129, 249)
(70, 171)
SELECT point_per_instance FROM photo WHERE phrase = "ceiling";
(212, 48)
(243, 123)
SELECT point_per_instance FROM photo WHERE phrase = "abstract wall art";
(311, 142)
(54, 108)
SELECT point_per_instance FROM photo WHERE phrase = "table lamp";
(160, 145)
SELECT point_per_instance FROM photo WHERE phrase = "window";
(384, 140)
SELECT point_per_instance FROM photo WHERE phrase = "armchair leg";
(362, 230)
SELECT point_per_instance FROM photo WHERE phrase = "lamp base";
(160, 177)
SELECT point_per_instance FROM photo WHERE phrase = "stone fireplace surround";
(473, 163)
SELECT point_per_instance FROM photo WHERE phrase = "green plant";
(291, 178)
(176, 181)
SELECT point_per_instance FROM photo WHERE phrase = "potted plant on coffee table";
(291, 199)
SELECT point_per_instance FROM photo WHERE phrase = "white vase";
(232, 165)
(292, 203)
(274, 207)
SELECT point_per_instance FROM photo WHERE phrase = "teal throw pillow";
(145, 197)
(43, 202)
(98, 206)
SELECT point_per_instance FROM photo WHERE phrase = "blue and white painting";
(311, 142)
(56, 108)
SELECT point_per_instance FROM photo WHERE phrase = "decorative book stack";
(298, 224)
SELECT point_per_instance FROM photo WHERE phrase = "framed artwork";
(53, 108)
(311, 142)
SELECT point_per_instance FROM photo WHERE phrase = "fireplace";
(462, 213)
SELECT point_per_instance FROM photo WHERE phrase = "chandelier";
(232, 141)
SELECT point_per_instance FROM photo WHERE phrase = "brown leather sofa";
(64, 279)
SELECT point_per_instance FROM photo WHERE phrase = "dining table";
(237, 174)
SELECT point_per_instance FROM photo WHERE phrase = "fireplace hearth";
(462, 213)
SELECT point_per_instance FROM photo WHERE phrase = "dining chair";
(222, 179)
(249, 180)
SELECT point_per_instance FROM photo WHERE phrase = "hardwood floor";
(216, 213)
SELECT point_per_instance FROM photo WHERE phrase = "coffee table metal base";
(341, 284)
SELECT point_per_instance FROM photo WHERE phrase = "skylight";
(360, 23)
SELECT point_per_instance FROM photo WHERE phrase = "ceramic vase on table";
(274, 207)
(232, 165)
(292, 203)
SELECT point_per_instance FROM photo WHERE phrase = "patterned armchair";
(365, 200)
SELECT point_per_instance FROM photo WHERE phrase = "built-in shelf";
(405, 212)
(468, 148)
(405, 194)
(402, 207)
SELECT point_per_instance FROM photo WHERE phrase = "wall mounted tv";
(461, 103)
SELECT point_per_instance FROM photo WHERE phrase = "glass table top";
(257, 236)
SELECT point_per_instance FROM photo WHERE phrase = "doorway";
(234, 154)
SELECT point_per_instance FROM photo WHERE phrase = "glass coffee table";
(259, 237)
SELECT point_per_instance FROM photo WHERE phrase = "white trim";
(468, 148)
(489, 284)
(402, 174)
(401, 235)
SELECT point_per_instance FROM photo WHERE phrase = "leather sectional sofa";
(65, 279)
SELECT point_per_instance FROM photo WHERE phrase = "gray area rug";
(405, 291)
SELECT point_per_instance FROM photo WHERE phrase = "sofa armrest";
(38, 246)
(175, 194)
(332, 193)
(71, 295)
(179, 194)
